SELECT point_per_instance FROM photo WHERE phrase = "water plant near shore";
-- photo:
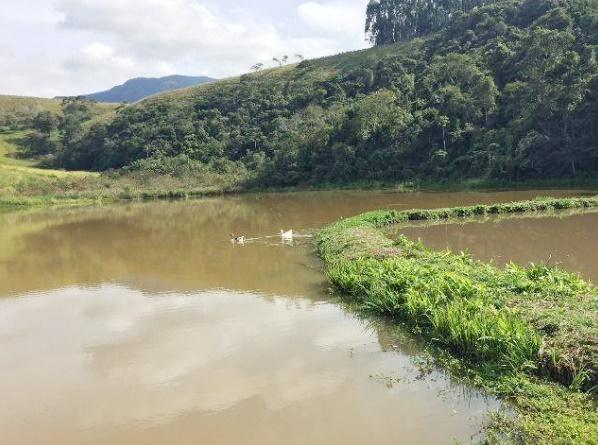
(528, 334)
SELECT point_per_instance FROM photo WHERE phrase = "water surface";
(143, 324)
(569, 241)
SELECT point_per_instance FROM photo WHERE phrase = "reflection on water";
(570, 242)
(112, 365)
(186, 246)
(142, 323)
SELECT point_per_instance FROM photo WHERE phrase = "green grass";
(528, 334)
(26, 106)
(26, 187)
(521, 207)
(12, 203)
(22, 184)
(23, 106)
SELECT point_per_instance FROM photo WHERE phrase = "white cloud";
(99, 56)
(184, 30)
(333, 17)
(204, 347)
(87, 45)
(99, 61)
(97, 51)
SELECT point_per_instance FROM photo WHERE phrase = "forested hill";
(136, 89)
(507, 90)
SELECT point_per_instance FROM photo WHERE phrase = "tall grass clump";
(436, 295)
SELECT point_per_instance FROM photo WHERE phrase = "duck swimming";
(287, 236)
(238, 239)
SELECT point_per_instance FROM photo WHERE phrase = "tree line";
(502, 89)
(390, 21)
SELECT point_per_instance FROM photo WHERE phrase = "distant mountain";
(139, 88)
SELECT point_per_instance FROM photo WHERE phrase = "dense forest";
(457, 89)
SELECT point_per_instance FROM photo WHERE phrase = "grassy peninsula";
(527, 334)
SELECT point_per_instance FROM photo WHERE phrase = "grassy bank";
(24, 184)
(539, 205)
(32, 187)
(528, 335)
(26, 189)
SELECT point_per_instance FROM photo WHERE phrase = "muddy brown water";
(569, 241)
(143, 324)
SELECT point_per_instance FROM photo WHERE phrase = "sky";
(67, 47)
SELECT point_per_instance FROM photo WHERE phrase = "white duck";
(286, 236)
(237, 239)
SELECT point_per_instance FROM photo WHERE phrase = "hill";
(21, 106)
(507, 91)
(136, 89)
(33, 132)
(23, 178)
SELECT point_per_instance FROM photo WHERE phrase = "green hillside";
(507, 91)
(19, 110)
(19, 107)
(24, 176)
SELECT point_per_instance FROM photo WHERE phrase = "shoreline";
(15, 201)
(523, 334)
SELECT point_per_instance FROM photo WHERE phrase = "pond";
(144, 324)
(569, 241)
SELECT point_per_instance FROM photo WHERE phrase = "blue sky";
(67, 47)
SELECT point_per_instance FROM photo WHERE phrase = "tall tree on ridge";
(390, 21)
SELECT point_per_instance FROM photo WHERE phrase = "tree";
(282, 60)
(39, 141)
(390, 21)
(257, 67)
(45, 122)
(460, 89)
(10, 121)
(487, 92)
(377, 117)
(75, 111)
(444, 121)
